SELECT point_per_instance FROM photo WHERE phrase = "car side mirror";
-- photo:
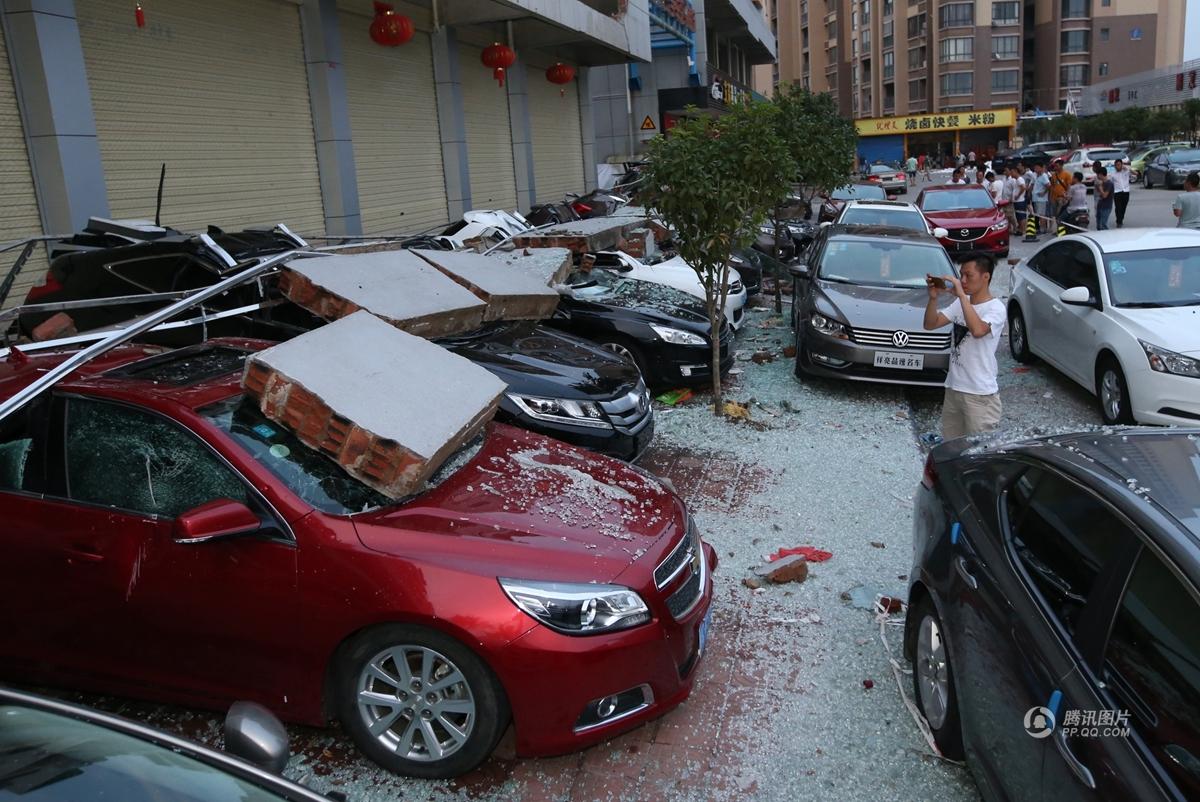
(216, 519)
(254, 734)
(799, 270)
(826, 224)
(1077, 296)
(940, 232)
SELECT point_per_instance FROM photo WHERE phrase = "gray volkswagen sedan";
(859, 302)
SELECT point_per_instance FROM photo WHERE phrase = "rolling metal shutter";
(394, 122)
(557, 137)
(20, 218)
(217, 89)
(489, 136)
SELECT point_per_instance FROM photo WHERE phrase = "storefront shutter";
(394, 123)
(217, 89)
(489, 136)
(20, 218)
(557, 137)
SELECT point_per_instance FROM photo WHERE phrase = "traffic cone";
(1062, 228)
(1031, 228)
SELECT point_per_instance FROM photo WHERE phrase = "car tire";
(1018, 335)
(1112, 391)
(933, 680)
(413, 707)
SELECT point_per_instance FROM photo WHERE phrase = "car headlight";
(561, 410)
(829, 326)
(578, 609)
(1164, 361)
(1001, 226)
(678, 336)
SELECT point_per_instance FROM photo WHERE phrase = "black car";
(751, 264)
(662, 330)
(559, 385)
(1169, 169)
(51, 751)
(831, 204)
(1031, 156)
(1053, 611)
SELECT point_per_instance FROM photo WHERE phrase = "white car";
(1085, 160)
(490, 226)
(895, 214)
(1119, 312)
(675, 272)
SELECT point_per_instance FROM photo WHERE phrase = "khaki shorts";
(967, 413)
(1011, 215)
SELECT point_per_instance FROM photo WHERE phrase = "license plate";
(890, 359)
(962, 246)
(703, 634)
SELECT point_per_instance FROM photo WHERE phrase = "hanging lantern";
(560, 74)
(499, 57)
(389, 28)
(139, 16)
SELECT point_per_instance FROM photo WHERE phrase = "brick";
(792, 568)
(57, 325)
(511, 292)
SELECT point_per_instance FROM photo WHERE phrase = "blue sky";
(1191, 37)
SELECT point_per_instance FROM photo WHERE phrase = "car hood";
(537, 360)
(1176, 328)
(964, 218)
(534, 507)
(896, 308)
(657, 302)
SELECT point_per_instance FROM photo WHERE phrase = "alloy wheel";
(932, 671)
(1111, 395)
(619, 349)
(1016, 331)
(416, 702)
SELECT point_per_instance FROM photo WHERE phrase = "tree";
(821, 143)
(1191, 108)
(1033, 130)
(712, 181)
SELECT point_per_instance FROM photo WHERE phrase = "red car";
(974, 223)
(164, 540)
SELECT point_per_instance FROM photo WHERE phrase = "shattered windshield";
(597, 284)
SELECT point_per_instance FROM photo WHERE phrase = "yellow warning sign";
(648, 124)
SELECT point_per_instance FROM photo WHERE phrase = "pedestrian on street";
(928, 166)
(1187, 204)
(1020, 194)
(960, 160)
(958, 176)
(1008, 193)
(995, 185)
(971, 158)
(1104, 198)
(1120, 180)
(972, 400)
(910, 167)
(1076, 197)
(1040, 194)
(1060, 184)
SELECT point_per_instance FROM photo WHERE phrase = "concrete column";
(331, 116)
(56, 109)
(522, 133)
(587, 124)
(452, 122)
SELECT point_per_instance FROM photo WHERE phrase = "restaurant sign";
(953, 121)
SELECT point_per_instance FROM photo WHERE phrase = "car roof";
(845, 231)
(875, 203)
(1121, 240)
(944, 187)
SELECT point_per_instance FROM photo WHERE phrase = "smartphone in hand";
(936, 281)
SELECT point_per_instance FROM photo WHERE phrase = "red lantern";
(389, 28)
(560, 74)
(499, 57)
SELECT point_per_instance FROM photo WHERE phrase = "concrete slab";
(511, 293)
(584, 236)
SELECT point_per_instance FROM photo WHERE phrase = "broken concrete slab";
(387, 406)
(584, 236)
(551, 265)
(511, 293)
(397, 286)
(793, 568)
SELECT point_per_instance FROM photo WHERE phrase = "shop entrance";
(937, 145)
(984, 141)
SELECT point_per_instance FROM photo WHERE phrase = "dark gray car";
(859, 306)
(1169, 169)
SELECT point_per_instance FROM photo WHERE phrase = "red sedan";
(162, 539)
(974, 223)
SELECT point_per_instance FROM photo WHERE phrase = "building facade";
(1162, 88)
(287, 111)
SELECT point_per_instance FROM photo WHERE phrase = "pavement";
(797, 697)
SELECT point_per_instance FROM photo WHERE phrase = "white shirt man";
(1120, 179)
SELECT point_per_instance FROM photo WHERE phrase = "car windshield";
(597, 284)
(859, 192)
(1180, 156)
(882, 263)
(1168, 277)
(868, 216)
(53, 758)
(952, 200)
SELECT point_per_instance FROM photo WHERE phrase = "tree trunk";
(775, 252)
(714, 332)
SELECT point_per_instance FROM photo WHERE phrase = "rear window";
(185, 367)
(900, 218)
(950, 200)
(859, 192)
(1107, 154)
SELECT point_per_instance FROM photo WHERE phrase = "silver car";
(889, 176)
(859, 307)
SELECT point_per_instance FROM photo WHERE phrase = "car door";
(205, 620)
(1039, 291)
(1157, 172)
(1073, 329)
(1130, 727)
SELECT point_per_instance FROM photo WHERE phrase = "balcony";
(740, 23)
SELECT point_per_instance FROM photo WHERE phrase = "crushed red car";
(162, 539)
(974, 223)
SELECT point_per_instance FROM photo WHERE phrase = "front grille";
(674, 561)
(971, 234)
(917, 340)
(631, 412)
(681, 602)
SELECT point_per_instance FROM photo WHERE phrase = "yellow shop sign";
(953, 121)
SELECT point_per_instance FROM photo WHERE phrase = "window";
(916, 89)
(889, 38)
(1106, 3)
(831, 30)
(1006, 47)
(122, 457)
(958, 49)
(916, 58)
(21, 463)
(916, 26)
(888, 8)
(958, 83)
(1153, 665)
(1069, 264)
(889, 64)
(1074, 9)
(1075, 41)
(1103, 69)
(1006, 80)
(1063, 537)
(1007, 13)
(1073, 75)
(1104, 32)
(956, 15)
(854, 50)
(866, 41)
(854, 20)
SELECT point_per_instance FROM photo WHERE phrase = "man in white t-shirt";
(972, 402)
(1120, 179)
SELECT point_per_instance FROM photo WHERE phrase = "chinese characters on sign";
(996, 118)
(899, 361)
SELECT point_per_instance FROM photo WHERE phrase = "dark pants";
(1102, 216)
(1121, 199)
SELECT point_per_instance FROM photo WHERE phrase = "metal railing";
(27, 246)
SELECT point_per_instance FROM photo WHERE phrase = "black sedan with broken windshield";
(859, 306)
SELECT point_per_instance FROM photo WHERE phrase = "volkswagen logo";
(966, 232)
(900, 339)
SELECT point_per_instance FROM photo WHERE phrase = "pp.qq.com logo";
(1039, 722)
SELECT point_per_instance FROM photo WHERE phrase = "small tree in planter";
(821, 143)
(713, 180)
